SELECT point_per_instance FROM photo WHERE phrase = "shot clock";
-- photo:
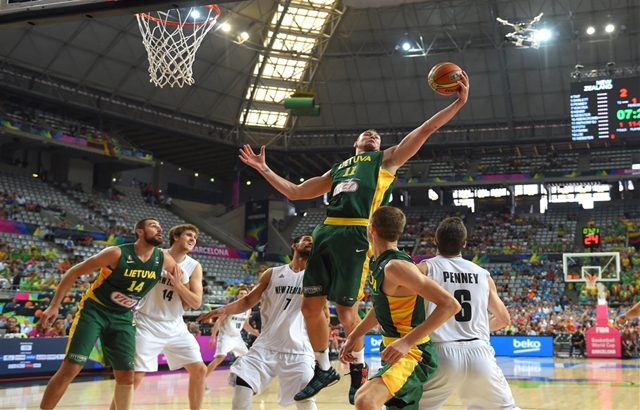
(605, 108)
(591, 237)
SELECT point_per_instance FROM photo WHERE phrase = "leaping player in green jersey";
(127, 273)
(338, 264)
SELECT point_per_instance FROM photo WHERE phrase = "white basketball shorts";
(169, 337)
(260, 366)
(226, 344)
(470, 370)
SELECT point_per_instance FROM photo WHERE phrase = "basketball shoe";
(359, 373)
(321, 379)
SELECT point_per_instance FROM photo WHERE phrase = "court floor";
(537, 383)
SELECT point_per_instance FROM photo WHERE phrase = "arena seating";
(615, 159)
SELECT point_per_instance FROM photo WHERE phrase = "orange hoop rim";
(590, 280)
(176, 24)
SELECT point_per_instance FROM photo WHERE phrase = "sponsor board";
(540, 346)
(372, 344)
(603, 341)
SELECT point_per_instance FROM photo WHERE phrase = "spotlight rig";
(524, 35)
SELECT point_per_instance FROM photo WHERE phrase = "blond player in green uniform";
(127, 273)
(398, 292)
(338, 263)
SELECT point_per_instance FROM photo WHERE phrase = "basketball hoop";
(172, 39)
(590, 281)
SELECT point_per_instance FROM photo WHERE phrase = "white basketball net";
(172, 39)
(590, 281)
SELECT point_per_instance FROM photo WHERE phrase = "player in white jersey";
(283, 348)
(227, 329)
(466, 361)
(159, 323)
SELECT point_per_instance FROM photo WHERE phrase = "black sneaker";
(359, 374)
(321, 379)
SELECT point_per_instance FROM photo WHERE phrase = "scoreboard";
(591, 237)
(605, 108)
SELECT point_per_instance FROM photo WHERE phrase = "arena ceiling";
(96, 69)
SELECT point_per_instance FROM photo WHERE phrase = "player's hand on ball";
(255, 161)
(395, 351)
(463, 91)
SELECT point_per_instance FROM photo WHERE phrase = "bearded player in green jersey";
(338, 264)
(127, 273)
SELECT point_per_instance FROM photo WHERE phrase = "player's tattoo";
(266, 170)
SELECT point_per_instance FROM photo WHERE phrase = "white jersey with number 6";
(163, 302)
(283, 327)
(469, 284)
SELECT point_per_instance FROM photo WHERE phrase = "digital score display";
(605, 108)
(591, 237)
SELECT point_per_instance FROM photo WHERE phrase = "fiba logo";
(526, 346)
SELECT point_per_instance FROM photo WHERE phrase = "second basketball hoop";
(172, 38)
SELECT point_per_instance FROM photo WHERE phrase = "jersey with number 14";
(360, 186)
(164, 303)
(122, 287)
(469, 284)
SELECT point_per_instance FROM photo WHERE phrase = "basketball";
(444, 77)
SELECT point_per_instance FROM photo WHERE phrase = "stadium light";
(609, 28)
(542, 35)
(225, 27)
(591, 30)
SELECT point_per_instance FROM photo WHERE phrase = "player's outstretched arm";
(309, 189)
(500, 317)
(396, 156)
(629, 314)
(244, 304)
(107, 257)
(404, 278)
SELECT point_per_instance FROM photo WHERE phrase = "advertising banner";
(540, 346)
(21, 356)
(256, 223)
(219, 251)
(372, 344)
(603, 341)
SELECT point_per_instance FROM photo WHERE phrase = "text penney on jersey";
(458, 277)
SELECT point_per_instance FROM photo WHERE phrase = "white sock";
(242, 396)
(323, 359)
(359, 356)
(307, 404)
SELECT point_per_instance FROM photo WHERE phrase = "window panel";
(260, 118)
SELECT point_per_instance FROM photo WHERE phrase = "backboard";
(604, 265)
(25, 13)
